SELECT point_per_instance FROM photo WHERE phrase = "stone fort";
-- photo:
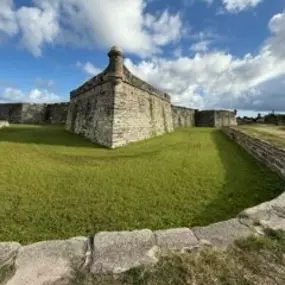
(115, 108)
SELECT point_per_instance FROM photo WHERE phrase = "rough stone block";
(265, 210)
(117, 252)
(222, 234)
(274, 222)
(4, 124)
(48, 262)
(8, 251)
(175, 238)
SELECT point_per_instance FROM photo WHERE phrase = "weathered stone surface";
(215, 118)
(183, 117)
(274, 222)
(139, 115)
(4, 124)
(264, 152)
(48, 262)
(222, 234)
(116, 108)
(175, 239)
(28, 113)
(8, 251)
(270, 214)
(119, 251)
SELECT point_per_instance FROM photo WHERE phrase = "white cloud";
(44, 83)
(33, 96)
(201, 46)
(276, 42)
(218, 79)
(165, 29)
(189, 3)
(8, 23)
(38, 25)
(88, 68)
(91, 22)
(235, 6)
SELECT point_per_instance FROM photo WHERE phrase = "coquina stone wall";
(183, 117)
(27, 113)
(116, 108)
(91, 113)
(56, 113)
(266, 153)
(205, 118)
(33, 113)
(224, 118)
(139, 112)
(215, 118)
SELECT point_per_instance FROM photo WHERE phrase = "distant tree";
(258, 115)
(235, 112)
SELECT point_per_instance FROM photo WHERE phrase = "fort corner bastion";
(115, 107)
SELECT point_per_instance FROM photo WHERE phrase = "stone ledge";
(119, 251)
(175, 239)
(4, 124)
(53, 262)
(222, 234)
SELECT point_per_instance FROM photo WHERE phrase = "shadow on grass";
(44, 134)
(247, 182)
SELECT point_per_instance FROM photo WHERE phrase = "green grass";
(252, 261)
(270, 133)
(54, 184)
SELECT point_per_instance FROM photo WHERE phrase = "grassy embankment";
(54, 184)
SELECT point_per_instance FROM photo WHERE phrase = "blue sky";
(204, 53)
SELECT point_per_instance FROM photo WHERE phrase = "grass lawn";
(54, 184)
(270, 133)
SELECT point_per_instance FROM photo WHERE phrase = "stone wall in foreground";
(183, 117)
(54, 262)
(266, 153)
(4, 124)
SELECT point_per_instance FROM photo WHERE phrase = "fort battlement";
(115, 108)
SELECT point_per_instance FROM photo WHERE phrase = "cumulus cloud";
(38, 25)
(201, 46)
(88, 23)
(33, 96)
(188, 3)
(218, 79)
(8, 22)
(88, 68)
(235, 6)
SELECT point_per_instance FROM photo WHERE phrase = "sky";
(207, 54)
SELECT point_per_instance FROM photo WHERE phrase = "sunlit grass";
(54, 184)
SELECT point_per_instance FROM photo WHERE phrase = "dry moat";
(55, 184)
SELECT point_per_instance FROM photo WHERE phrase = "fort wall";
(183, 117)
(91, 114)
(115, 107)
(27, 113)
